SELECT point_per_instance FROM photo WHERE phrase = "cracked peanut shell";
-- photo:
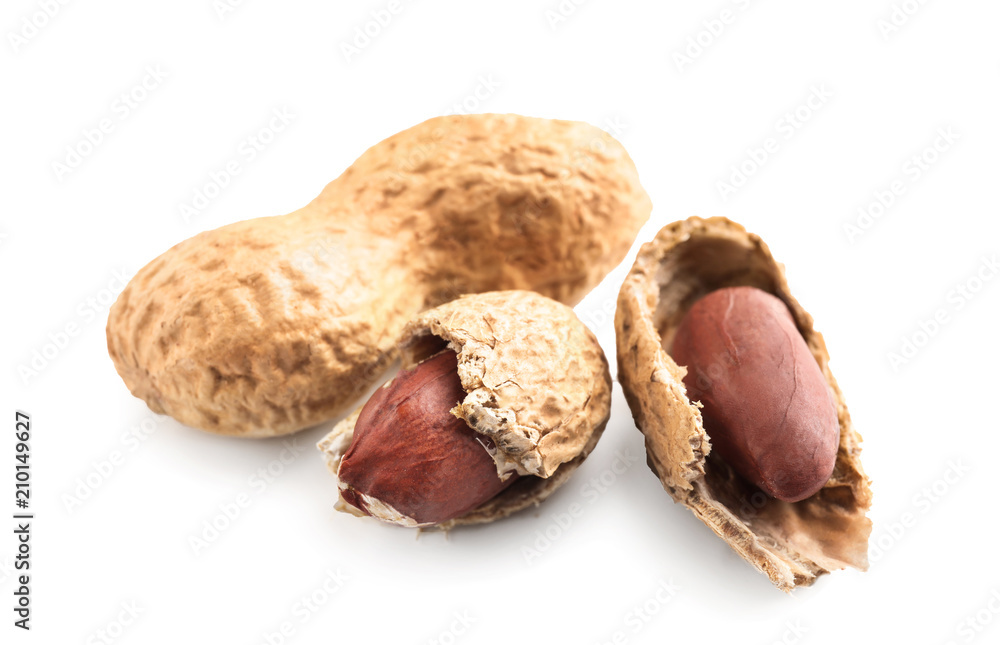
(536, 381)
(792, 543)
(268, 326)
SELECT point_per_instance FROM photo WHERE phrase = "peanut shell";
(271, 325)
(791, 543)
(537, 385)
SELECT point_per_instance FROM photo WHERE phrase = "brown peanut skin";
(411, 453)
(767, 407)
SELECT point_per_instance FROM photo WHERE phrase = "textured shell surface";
(271, 325)
(792, 543)
(536, 380)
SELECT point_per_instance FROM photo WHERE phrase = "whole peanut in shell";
(395, 461)
(766, 405)
(271, 325)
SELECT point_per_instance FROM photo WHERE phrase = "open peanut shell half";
(536, 383)
(792, 543)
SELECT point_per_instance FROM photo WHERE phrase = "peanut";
(791, 543)
(495, 385)
(767, 407)
(271, 325)
(411, 461)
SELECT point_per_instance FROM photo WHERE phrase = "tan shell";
(537, 383)
(268, 326)
(793, 543)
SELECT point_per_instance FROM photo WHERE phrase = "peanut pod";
(271, 325)
(791, 542)
(536, 385)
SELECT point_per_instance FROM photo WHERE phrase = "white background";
(63, 237)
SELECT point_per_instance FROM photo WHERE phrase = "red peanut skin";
(767, 407)
(411, 453)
